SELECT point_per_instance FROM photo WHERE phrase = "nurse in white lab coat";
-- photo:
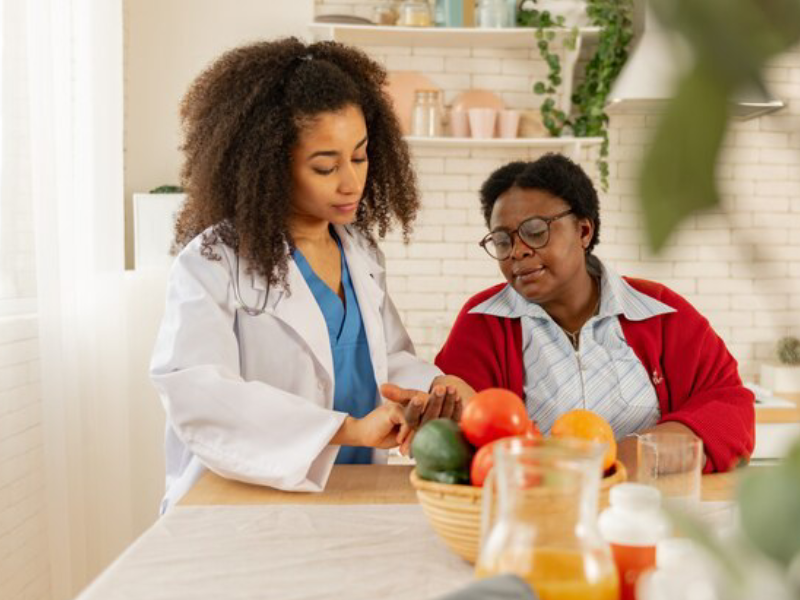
(293, 159)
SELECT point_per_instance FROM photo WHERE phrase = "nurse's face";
(329, 166)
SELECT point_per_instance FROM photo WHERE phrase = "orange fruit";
(587, 425)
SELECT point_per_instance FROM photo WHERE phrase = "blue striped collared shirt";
(604, 375)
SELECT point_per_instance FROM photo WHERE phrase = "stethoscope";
(248, 310)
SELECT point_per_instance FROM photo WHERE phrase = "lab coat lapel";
(299, 310)
(365, 273)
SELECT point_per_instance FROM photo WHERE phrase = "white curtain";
(75, 54)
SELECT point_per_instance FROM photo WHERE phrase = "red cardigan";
(695, 377)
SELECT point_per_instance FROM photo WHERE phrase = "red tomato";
(483, 461)
(493, 414)
(533, 431)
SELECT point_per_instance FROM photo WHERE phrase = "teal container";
(449, 13)
(511, 20)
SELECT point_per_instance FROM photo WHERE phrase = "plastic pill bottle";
(632, 525)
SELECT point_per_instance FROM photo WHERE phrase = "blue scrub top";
(355, 389)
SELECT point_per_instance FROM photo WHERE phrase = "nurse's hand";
(385, 427)
(445, 400)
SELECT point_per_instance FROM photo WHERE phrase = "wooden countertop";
(366, 484)
(348, 484)
(389, 484)
(778, 414)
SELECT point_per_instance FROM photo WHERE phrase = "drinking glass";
(672, 462)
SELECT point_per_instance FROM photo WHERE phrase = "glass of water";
(672, 462)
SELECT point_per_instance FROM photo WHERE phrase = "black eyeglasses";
(534, 233)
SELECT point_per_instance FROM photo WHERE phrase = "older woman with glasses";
(567, 332)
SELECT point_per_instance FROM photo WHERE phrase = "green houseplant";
(783, 377)
(588, 117)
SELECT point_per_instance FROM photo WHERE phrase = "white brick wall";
(17, 276)
(739, 265)
(24, 562)
(24, 565)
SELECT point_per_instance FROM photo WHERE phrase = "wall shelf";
(569, 145)
(439, 37)
(459, 37)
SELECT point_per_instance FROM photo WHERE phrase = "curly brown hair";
(241, 120)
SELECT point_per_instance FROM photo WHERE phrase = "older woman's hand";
(445, 400)
(628, 449)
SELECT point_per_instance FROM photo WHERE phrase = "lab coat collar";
(299, 309)
(352, 248)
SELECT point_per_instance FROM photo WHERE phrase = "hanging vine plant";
(588, 117)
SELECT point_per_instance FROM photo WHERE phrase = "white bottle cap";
(635, 496)
(634, 517)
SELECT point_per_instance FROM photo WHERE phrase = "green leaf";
(769, 500)
(730, 42)
(538, 87)
(571, 40)
(167, 189)
(737, 37)
(700, 532)
(679, 167)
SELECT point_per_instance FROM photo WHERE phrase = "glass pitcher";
(539, 519)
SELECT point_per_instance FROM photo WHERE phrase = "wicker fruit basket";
(454, 511)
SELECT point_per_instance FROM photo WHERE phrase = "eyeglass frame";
(511, 233)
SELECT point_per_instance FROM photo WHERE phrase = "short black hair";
(552, 173)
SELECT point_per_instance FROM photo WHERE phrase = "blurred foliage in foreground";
(730, 41)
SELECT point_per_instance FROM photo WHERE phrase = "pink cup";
(508, 123)
(482, 121)
(459, 123)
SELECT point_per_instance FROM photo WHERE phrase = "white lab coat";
(251, 397)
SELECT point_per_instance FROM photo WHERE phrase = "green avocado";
(442, 452)
(451, 477)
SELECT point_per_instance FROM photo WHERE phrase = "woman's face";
(329, 166)
(546, 274)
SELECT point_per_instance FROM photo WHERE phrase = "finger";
(458, 409)
(413, 412)
(434, 407)
(397, 394)
(405, 447)
(403, 433)
(449, 404)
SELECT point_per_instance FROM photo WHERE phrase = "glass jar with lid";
(493, 14)
(386, 12)
(415, 13)
(426, 116)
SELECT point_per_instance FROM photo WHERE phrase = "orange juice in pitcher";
(539, 520)
(559, 574)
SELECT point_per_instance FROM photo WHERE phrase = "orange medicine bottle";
(632, 525)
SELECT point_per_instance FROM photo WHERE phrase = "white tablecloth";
(297, 552)
(287, 552)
